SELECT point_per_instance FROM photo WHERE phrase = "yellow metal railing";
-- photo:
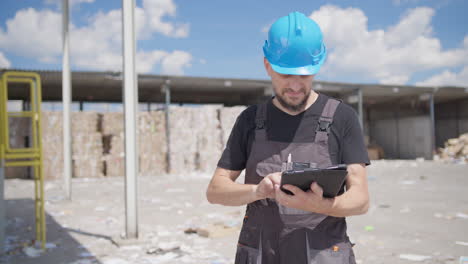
(28, 156)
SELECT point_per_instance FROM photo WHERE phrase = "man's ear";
(267, 66)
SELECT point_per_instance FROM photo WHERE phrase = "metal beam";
(167, 92)
(66, 102)
(360, 107)
(432, 116)
(130, 93)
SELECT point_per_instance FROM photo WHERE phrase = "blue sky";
(422, 42)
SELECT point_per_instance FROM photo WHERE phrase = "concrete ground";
(419, 214)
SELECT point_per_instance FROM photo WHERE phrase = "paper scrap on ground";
(462, 215)
(32, 252)
(413, 257)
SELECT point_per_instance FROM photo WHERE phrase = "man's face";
(292, 91)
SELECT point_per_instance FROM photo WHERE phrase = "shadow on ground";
(20, 236)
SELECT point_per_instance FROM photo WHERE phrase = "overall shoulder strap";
(260, 116)
(326, 120)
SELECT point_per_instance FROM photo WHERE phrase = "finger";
(268, 186)
(295, 190)
(276, 177)
(316, 189)
(280, 195)
(268, 183)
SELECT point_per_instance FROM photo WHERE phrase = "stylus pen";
(289, 165)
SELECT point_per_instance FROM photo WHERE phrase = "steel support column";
(130, 93)
(66, 102)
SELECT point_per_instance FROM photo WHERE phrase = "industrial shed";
(405, 121)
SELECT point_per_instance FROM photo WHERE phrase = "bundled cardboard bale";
(19, 136)
(182, 140)
(114, 166)
(84, 122)
(87, 168)
(87, 155)
(207, 129)
(18, 173)
(87, 145)
(113, 144)
(197, 138)
(112, 123)
(19, 132)
(152, 147)
(228, 116)
(151, 143)
(52, 144)
(114, 160)
(87, 148)
(456, 150)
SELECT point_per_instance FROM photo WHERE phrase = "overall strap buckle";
(324, 125)
(259, 123)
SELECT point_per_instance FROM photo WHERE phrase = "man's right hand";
(266, 188)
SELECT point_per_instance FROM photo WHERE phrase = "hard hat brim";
(304, 70)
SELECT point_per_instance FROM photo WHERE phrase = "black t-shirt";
(345, 141)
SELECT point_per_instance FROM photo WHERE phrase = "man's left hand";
(312, 200)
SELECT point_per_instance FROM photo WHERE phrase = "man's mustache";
(291, 90)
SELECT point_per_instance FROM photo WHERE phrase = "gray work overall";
(274, 234)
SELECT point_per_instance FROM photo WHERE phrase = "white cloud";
(33, 34)
(389, 56)
(155, 10)
(147, 60)
(175, 62)
(448, 78)
(4, 62)
(37, 34)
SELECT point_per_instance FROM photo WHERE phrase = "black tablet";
(331, 179)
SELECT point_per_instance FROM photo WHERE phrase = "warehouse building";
(400, 122)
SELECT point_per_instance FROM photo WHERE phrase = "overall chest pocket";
(339, 254)
(267, 167)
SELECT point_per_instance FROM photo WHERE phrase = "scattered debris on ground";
(410, 202)
(455, 150)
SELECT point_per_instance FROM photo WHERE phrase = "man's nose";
(295, 82)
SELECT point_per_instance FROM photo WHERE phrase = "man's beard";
(293, 107)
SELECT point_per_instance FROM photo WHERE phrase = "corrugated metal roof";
(107, 87)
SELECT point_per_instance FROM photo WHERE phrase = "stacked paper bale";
(52, 144)
(87, 145)
(456, 150)
(152, 143)
(19, 130)
(112, 123)
(228, 116)
(207, 128)
(182, 140)
(113, 138)
(115, 159)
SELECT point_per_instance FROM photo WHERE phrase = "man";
(304, 227)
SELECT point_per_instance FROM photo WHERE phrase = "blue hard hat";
(295, 45)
